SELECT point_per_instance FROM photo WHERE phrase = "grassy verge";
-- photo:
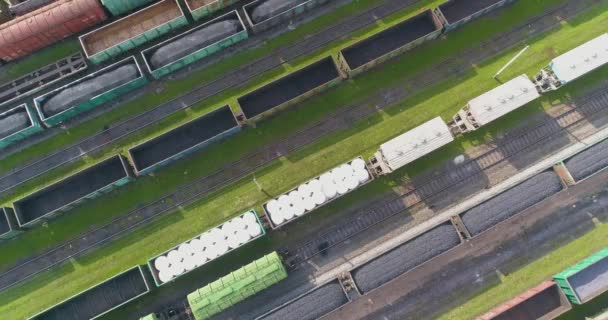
(363, 138)
(533, 274)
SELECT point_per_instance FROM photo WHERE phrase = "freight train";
(159, 151)
(347, 177)
(576, 285)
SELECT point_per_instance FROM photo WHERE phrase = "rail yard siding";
(543, 302)
(183, 140)
(201, 52)
(88, 87)
(99, 299)
(295, 87)
(63, 195)
(120, 7)
(262, 24)
(29, 126)
(369, 52)
(311, 305)
(586, 280)
(45, 26)
(9, 227)
(455, 13)
(132, 31)
(200, 9)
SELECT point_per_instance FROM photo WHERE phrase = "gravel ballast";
(312, 305)
(511, 202)
(588, 162)
(406, 257)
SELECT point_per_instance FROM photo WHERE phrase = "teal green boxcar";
(98, 99)
(31, 127)
(200, 9)
(202, 53)
(585, 280)
(9, 227)
(280, 17)
(132, 31)
(120, 7)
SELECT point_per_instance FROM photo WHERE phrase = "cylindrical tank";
(47, 25)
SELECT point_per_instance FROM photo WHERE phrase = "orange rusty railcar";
(45, 26)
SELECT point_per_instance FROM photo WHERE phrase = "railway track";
(340, 120)
(381, 211)
(234, 79)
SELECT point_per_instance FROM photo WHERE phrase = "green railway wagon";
(200, 9)
(62, 104)
(9, 227)
(585, 280)
(120, 7)
(17, 124)
(159, 67)
(132, 31)
(236, 286)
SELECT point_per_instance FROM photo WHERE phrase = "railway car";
(132, 31)
(262, 15)
(573, 64)
(17, 124)
(201, 9)
(494, 104)
(209, 246)
(21, 7)
(9, 228)
(585, 280)
(89, 92)
(183, 140)
(120, 7)
(65, 194)
(411, 146)
(45, 26)
(236, 286)
(455, 13)
(290, 89)
(385, 45)
(99, 299)
(195, 44)
(543, 302)
(317, 192)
